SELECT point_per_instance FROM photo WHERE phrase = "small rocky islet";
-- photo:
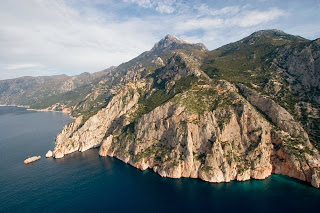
(32, 159)
(246, 110)
(49, 154)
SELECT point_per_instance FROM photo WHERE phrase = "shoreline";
(21, 106)
(37, 110)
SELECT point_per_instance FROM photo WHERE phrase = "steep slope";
(281, 66)
(186, 112)
(133, 70)
(14, 91)
(49, 92)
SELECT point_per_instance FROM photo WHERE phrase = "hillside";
(49, 92)
(245, 110)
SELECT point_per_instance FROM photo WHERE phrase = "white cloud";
(59, 37)
(199, 23)
(257, 17)
(245, 18)
(65, 36)
(226, 10)
(23, 66)
(204, 9)
(141, 3)
(162, 6)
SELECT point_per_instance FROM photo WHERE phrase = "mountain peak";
(169, 40)
(173, 38)
(273, 32)
(172, 42)
(273, 36)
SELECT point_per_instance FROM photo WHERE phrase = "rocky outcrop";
(277, 114)
(49, 154)
(316, 178)
(31, 159)
(292, 157)
(105, 146)
(301, 68)
(82, 135)
(166, 111)
(232, 141)
(183, 144)
(170, 42)
(293, 154)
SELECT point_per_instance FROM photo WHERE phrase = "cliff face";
(82, 135)
(301, 68)
(234, 141)
(222, 115)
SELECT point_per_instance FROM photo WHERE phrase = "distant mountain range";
(245, 110)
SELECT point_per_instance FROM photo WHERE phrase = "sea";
(86, 182)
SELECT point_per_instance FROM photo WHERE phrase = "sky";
(51, 37)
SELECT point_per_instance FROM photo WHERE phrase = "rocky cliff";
(227, 139)
(245, 110)
(178, 113)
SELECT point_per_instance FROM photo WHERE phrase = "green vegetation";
(201, 157)
(243, 167)
(70, 98)
(291, 145)
(224, 117)
(159, 152)
(148, 102)
(195, 101)
(206, 169)
(246, 61)
(88, 115)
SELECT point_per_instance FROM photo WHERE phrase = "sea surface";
(86, 182)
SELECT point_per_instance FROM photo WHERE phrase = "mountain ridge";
(245, 110)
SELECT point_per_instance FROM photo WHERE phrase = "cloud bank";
(44, 37)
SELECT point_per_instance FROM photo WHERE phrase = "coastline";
(22, 106)
(37, 110)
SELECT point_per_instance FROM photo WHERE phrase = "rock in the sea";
(49, 154)
(58, 155)
(32, 159)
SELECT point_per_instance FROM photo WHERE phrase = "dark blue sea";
(85, 182)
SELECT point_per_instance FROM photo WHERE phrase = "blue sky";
(49, 37)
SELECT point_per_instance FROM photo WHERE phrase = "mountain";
(49, 92)
(245, 110)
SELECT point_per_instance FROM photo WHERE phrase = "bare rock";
(105, 146)
(274, 111)
(233, 141)
(316, 178)
(49, 154)
(32, 159)
(58, 154)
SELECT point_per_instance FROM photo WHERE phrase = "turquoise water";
(85, 182)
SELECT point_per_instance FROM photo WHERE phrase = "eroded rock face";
(194, 146)
(301, 68)
(105, 146)
(180, 123)
(316, 178)
(49, 154)
(82, 135)
(230, 142)
(278, 115)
